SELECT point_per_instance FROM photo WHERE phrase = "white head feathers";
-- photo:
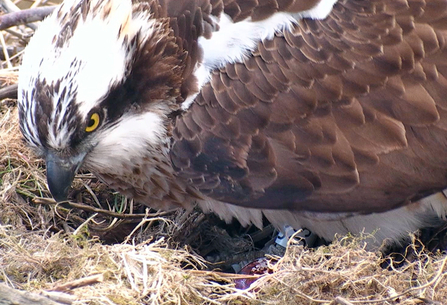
(67, 51)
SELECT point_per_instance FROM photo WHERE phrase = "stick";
(10, 296)
(25, 16)
(86, 281)
(101, 211)
(5, 52)
(9, 92)
(342, 301)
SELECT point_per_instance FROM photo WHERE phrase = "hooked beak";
(61, 172)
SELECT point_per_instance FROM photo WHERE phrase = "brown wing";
(260, 9)
(343, 114)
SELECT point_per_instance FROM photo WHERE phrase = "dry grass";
(42, 249)
(21, 174)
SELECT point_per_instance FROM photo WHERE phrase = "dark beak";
(60, 174)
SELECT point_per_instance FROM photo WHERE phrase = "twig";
(12, 296)
(9, 92)
(9, 6)
(60, 297)
(84, 224)
(141, 223)
(427, 301)
(89, 189)
(84, 207)
(18, 54)
(5, 51)
(86, 281)
(25, 17)
(36, 3)
(226, 276)
(341, 301)
(24, 37)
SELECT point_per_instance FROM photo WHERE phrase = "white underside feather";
(394, 225)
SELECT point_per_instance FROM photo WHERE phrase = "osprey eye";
(93, 123)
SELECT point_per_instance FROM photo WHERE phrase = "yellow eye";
(93, 123)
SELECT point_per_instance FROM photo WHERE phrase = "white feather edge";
(235, 41)
(394, 225)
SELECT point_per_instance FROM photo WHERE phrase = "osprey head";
(94, 87)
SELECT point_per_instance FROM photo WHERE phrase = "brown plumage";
(335, 118)
(339, 111)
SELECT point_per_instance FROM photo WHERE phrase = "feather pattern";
(318, 113)
(343, 101)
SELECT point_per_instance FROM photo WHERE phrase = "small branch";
(25, 16)
(88, 208)
(9, 92)
(341, 301)
(11, 50)
(10, 296)
(5, 51)
(60, 297)
(9, 6)
(86, 281)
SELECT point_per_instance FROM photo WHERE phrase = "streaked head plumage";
(98, 77)
(79, 53)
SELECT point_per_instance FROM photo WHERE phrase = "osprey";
(325, 114)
